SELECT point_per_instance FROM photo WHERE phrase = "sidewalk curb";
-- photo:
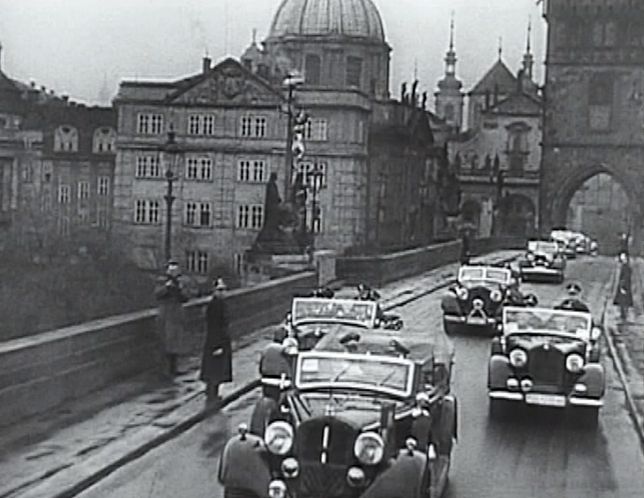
(69, 490)
(636, 417)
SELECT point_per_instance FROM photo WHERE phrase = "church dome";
(350, 18)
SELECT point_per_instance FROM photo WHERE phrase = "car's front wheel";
(238, 493)
(586, 416)
(498, 409)
(449, 327)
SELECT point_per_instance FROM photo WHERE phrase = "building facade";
(594, 105)
(231, 126)
(498, 157)
(56, 166)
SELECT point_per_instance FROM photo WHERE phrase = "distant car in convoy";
(542, 261)
(366, 413)
(474, 303)
(566, 241)
(547, 357)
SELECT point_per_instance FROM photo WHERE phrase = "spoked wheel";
(238, 493)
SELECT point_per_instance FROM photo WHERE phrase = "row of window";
(83, 190)
(102, 220)
(313, 70)
(201, 169)
(198, 214)
(66, 140)
(250, 126)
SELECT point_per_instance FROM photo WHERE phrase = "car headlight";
(574, 363)
(462, 293)
(496, 296)
(277, 489)
(530, 256)
(369, 448)
(279, 437)
(518, 358)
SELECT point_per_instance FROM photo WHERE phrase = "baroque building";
(594, 111)
(56, 166)
(231, 126)
(498, 156)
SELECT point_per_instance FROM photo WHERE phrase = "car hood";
(358, 411)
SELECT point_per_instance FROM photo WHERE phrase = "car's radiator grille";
(546, 365)
(325, 450)
(319, 480)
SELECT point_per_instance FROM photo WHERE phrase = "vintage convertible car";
(475, 302)
(566, 241)
(547, 357)
(542, 261)
(367, 413)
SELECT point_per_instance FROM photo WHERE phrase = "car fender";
(405, 477)
(594, 378)
(264, 413)
(447, 426)
(245, 456)
(449, 304)
(498, 372)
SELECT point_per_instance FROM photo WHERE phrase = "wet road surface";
(537, 453)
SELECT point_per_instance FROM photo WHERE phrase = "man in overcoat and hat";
(171, 293)
(216, 362)
(624, 292)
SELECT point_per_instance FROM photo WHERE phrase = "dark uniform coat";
(216, 362)
(171, 294)
(623, 294)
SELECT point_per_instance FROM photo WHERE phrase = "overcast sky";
(75, 46)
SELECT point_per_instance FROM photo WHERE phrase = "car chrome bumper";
(464, 320)
(565, 400)
(536, 270)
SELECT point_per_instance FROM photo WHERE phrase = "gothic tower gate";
(594, 111)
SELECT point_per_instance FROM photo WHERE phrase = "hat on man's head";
(219, 284)
(573, 288)
(172, 264)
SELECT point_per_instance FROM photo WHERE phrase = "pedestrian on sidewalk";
(623, 293)
(216, 362)
(171, 293)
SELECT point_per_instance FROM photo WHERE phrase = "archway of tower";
(601, 203)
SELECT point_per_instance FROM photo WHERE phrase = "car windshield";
(484, 274)
(535, 320)
(541, 246)
(344, 370)
(311, 310)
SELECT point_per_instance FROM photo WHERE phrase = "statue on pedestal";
(276, 235)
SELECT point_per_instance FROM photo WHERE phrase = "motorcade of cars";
(542, 261)
(475, 301)
(547, 357)
(366, 413)
(567, 242)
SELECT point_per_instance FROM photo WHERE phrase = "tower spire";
(500, 50)
(528, 58)
(450, 57)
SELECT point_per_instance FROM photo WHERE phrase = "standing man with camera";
(171, 294)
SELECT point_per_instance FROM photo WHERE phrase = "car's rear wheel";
(238, 493)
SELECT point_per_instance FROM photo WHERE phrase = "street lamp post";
(170, 150)
(315, 178)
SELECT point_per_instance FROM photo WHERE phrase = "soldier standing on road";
(216, 362)
(171, 294)
(623, 293)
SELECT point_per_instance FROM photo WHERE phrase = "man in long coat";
(171, 293)
(216, 362)
(623, 293)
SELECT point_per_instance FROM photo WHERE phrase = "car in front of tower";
(547, 357)
(543, 261)
(368, 413)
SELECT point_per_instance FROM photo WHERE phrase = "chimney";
(206, 64)
(0, 56)
(65, 98)
(32, 84)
